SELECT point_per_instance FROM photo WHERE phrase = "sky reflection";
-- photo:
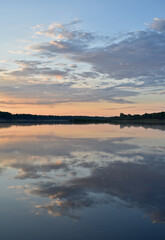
(63, 172)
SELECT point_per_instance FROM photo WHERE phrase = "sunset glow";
(68, 59)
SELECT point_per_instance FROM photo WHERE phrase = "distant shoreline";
(151, 118)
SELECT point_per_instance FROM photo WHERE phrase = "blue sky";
(105, 16)
(82, 57)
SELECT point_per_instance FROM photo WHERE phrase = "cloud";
(137, 54)
(36, 68)
(67, 31)
(140, 55)
(81, 66)
(119, 108)
(158, 24)
(49, 94)
(15, 52)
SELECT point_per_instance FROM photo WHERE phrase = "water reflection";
(65, 169)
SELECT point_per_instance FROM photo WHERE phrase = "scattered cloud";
(158, 24)
(136, 55)
(48, 94)
(69, 31)
(81, 66)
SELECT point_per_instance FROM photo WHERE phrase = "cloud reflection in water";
(68, 174)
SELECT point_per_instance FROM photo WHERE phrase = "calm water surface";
(82, 182)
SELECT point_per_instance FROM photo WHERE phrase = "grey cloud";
(93, 75)
(158, 24)
(35, 68)
(162, 93)
(60, 47)
(66, 32)
(49, 94)
(135, 55)
(136, 59)
(46, 94)
(2, 70)
(119, 108)
(140, 55)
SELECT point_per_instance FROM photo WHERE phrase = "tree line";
(6, 116)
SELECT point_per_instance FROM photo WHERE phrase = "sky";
(79, 57)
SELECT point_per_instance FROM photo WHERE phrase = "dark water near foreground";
(82, 182)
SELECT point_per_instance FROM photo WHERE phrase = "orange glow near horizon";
(79, 108)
